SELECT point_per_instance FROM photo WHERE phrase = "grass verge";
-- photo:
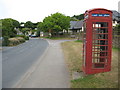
(73, 56)
(59, 38)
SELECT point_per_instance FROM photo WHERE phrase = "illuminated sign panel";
(100, 15)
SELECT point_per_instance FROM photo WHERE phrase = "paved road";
(50, 71)
(17, 60)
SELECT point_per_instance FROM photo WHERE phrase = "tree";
(55, 23)
(16, 24)
(8, 27)
(40, 28)
(29, 24)
(35, 25)
(25, 30)
(77, 17)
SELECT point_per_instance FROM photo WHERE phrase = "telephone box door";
(100, 45)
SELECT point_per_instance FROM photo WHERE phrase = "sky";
(37, 10)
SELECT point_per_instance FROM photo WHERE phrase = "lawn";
(73, 57)
(59, 38)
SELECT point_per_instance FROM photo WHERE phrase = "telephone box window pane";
(101, 24)
(100, 30)
(100, 44)
(100, 36)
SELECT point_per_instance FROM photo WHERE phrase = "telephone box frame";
(97, 22)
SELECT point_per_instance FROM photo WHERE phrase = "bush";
(26, 38)
(16, 41)
(21, 39)
(5, 41)
(20, 36)
(13, 41)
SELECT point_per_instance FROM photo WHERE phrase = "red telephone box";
(97, 41)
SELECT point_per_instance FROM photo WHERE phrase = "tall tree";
(29, 24)
(8, 27)
(77, 17)
(55, 23)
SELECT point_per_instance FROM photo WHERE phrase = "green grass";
(92, 82)
(57, 38)
(114, 48)
(78, 41)
(73, 57)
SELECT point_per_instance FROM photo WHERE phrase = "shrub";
(26, 38)
(13, 41)
(5, 41)
(21, 39)
(20, 36)
(16, 41)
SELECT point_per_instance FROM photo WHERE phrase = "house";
(76, 26)
(18, 31)
(116, 17)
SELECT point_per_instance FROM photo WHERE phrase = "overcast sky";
(37, 10)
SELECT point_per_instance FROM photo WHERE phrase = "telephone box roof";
(97, 9)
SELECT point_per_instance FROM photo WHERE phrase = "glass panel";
(100, 30)
(100, 44)
(101, 24)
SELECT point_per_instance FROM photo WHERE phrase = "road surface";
(17, 60)
(50, 71)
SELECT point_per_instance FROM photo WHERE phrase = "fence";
(116, 38)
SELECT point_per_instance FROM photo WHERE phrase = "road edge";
(32, 69)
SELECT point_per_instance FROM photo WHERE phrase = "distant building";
(116, 17)
(76, 26)
(18, 31)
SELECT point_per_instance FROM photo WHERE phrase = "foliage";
(77, 17)
(8, 27)
(20, 36)
(54, 23)
(15, 41)
(23, 36)
(29, 24)
(117, 28)
(33, 31)
(26, 37)
(25, 30)
(5, 41)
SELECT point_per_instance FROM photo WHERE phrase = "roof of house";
(116, 15)
(79, 24)
(76, 24)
